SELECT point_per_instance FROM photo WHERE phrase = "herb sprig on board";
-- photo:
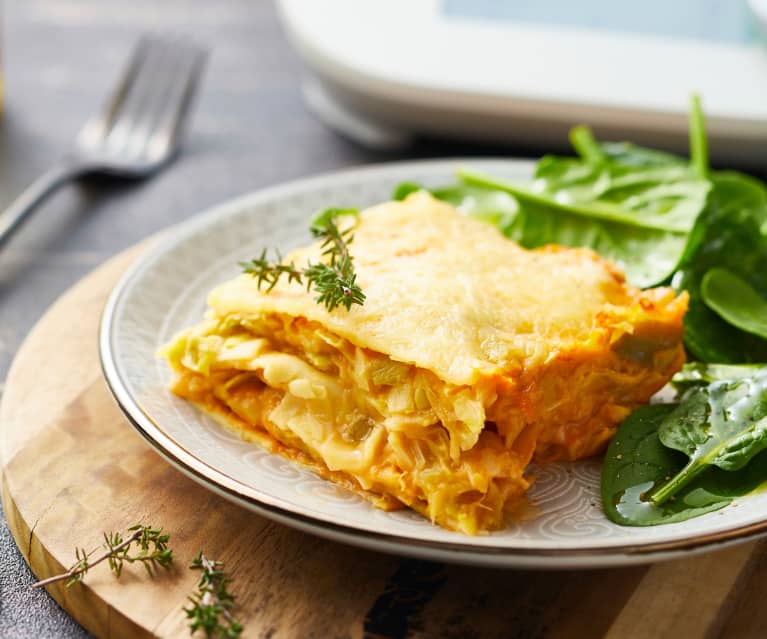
(334, 279)
(152, 552)
(212, 604)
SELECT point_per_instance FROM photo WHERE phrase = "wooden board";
(73, 467)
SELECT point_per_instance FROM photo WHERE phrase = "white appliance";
(382, 71)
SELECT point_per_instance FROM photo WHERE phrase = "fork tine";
(96, 127)
(147, 82)
(144, 120)
(167, 65)
(178, 99)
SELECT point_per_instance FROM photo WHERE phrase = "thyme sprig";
(334, 280)
(153, 552)
(212, 604)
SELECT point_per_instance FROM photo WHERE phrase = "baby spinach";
(625, 182)
(664, 198)
(723, 424)
(533, 224)
(735, 301)
(629, 154)
(637, 462)
(698, 138)
(403, 189)
(726, 235)
(632, 205)
(697, 373)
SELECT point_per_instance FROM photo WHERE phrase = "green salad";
(665, 220)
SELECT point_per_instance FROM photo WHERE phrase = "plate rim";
(217, 481)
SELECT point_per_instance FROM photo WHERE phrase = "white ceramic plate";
(165, 291)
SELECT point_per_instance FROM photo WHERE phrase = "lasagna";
(470, 358)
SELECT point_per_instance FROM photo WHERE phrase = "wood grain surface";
(74, 467)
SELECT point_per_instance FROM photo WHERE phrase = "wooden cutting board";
(73, 467)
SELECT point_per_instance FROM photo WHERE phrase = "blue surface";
(723, 21)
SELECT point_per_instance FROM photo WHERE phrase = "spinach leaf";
(664, 198)
(403, 189)
(723, 424)
(697, 373)
(698, 138)
(647, 256)
(496, 207)
(637, 462)
(726, 235)
(618, 183)
(632, 205)
(629, 154)
(735, 301)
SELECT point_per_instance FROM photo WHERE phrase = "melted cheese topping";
(448, 293)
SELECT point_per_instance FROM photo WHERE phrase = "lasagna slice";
(470, 358)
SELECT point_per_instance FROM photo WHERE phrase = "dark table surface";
(250, 129)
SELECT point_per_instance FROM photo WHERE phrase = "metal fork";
(137, 133)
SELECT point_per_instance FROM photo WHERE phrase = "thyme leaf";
(334, 279)
(212, 604)
(152, 552)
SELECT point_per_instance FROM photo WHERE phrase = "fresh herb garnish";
(212, 604)
(334, 280)
(153, 552)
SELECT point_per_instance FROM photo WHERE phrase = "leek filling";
(395, 428)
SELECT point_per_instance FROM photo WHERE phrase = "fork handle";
(25, 203)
